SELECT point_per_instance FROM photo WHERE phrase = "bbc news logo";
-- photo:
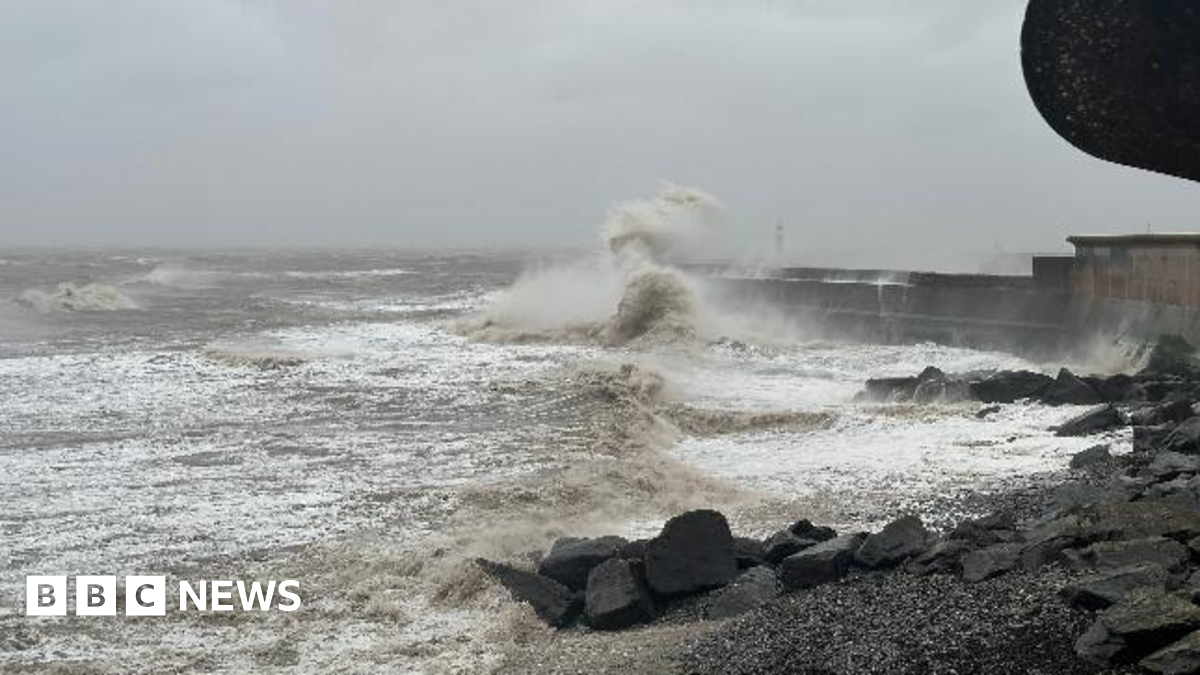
(147, 596)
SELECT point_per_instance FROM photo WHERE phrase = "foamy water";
(326, 416)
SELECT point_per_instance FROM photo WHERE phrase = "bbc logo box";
(145, 595)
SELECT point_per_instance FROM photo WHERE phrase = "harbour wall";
(1037, 316)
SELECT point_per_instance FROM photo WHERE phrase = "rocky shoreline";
(1098, 574)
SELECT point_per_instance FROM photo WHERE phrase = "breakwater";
(1038, 316)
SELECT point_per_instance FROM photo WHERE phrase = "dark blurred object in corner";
(1119, 79)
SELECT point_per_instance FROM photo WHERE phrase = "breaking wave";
(678, 222)
(263, 356)
(69, 297)
(632, 294)
(701, 422)
(176, 276)
(658, 305)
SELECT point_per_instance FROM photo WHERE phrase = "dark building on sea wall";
(1156, 268)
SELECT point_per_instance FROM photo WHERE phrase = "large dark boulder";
(1112, 555)
(1176, 518)
(617, 597)
(748, 552)
(1097, 454)
(1067, 389)
(571, 560)
(783, 544)
(898, 541)
(990, 562)
(1186, 485)
(819, 564)
(1170, 412)
(1144, 622)
(1178, 658)
(1009, 386)
(553, 603)
(751, 590)
(806, 530)
(996, 528)
(1100, 418)
(1114, 389)
(1151, 438)
(944, 557)
(1045, 543)
(1104, 590)
(1185, 438)
(634, 550)
(693, 553)
(1168, 465)
(890, 389)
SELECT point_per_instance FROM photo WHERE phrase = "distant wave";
(262, 356)
(346, 274)
(68, 297)
(177, 276)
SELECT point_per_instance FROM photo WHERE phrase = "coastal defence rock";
(1186, 437)
(748, 552)
(1100, 418)
(1067, 389)
(1168, 465)
(898, 541)
(990, 562)
(783, 544)
(1010, 387)
(570, 561)
(1097, 454)
(798, 536)
(693, 553)
(1166, 553)
(944, 557)
(1178, 519)
(820, 564)
(616, 597)
(1143, 623)
(1180, 658)
(554, 603)
(754, 588)
(1105, 590)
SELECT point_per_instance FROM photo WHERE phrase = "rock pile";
(1127, 537)
(614, 584)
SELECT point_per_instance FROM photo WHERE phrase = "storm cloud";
(877, 131)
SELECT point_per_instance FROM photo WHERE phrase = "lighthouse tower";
(779, 243)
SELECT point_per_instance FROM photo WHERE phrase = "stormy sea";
(371, 422)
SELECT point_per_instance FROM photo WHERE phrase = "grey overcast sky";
(886, 127)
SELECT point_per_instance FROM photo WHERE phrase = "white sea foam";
(69, 297)
(385, 451)
(631, 292)
(179, 276)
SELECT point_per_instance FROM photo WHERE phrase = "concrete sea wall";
(1035, 316)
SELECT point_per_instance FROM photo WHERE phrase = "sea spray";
(658, 303)
(629, 292)
(69, 297)
(678, 222)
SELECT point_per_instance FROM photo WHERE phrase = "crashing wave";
(700, 422)
(175, 276)
(658, 306)
(263, 357)
(630, 297)
(68, 297)
(678, 221)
